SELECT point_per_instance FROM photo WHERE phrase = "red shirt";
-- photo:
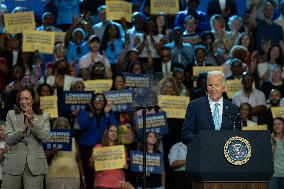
(109, 178)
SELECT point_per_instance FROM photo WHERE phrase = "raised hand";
(29, 113)
(107, 108)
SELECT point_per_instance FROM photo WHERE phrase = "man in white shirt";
(99, 28)
(254, 97)
(87, 61)
(166, 61)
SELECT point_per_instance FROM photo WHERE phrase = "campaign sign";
(76, 100)
(60, 139)
(121, 100)
(135, 81)
(154, 162)
(110, 157)
(115, 10)
(156, 122)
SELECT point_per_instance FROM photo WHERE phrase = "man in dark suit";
(211, 112)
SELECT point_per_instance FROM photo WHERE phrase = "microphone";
(231, 116)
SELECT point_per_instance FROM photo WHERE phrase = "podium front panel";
(206, 160)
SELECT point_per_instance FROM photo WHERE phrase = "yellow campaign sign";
(174, 106)
(59, 37)
(165, 6)
(49, 104)
(20, 21)
(277, 111)
(233, 86)
(98, 86)
(255, 127)
(42, 41)
(199, 69)
(115, 10)
(111, 157)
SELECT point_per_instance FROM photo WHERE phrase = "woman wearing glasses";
(93, 123)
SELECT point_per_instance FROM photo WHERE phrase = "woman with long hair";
(93, 123)
(153, 180)
(152, 42)
(162, 23)
(168, 86)
(60, 79)
(112, 44)
(277, 138)
(274, 57)
(65, 167)
(27, 126)
(246, 40)
(109, 178)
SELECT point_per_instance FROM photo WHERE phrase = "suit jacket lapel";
(209, 114)
(225, 109)
(20, 122)
(19, 119)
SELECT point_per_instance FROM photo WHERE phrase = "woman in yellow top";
(65, 169)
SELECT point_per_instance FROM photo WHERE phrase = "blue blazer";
(91, 130)
(199, 117)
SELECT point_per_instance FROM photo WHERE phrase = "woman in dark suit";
(26, 128)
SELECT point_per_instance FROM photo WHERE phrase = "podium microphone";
(232, 117)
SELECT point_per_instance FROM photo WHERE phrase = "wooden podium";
(230, 160)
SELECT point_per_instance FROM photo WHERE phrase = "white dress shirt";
(178, 152)
(220, 107)
(166, 68)
(222, 4)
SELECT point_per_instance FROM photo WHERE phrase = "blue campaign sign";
(121, 100)
(134, 81)
(154, 162)
(73, 100)
(155, 122)
(60, 139)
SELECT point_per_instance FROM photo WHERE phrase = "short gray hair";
(61, 119)
(217, 73)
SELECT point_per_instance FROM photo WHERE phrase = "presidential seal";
(237, 150)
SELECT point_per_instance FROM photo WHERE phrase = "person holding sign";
(108, 178)
(93, 123)
(26, 128)
(212, 112)
(124, 118)
(169, 87)
(156, 181)
(65, 167)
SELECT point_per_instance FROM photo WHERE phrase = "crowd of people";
(248, 48)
